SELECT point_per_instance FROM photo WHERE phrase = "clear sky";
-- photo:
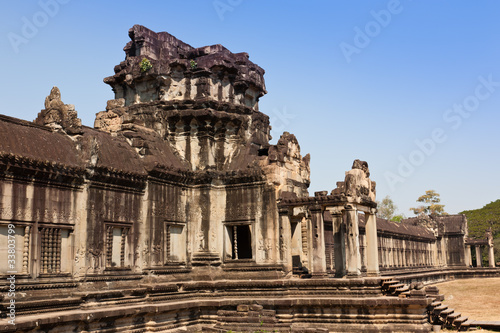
(412, 87)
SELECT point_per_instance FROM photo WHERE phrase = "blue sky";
(412, 87)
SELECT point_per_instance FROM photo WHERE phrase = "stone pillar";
(444, 257)
(285, 238)
(491, 254)
(479, 260)
(353, 255)
(468, 256)
(317, 241)
(371, 244)
(339, 244)
(390, 250)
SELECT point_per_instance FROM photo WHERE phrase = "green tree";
(480, 220)
(386, 208)
(431, 198)
(398, 218)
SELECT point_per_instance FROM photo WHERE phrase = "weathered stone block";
(243, 308)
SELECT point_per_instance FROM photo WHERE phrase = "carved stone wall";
(177, 195)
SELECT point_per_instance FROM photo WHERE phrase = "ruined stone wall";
(181, 72)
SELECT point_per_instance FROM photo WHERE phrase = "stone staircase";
(394, 287)
(441, 314)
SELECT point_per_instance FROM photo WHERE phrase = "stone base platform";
(280, 305)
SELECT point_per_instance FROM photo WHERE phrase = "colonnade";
(347, 247)
(476, 245)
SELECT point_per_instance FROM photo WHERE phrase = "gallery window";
(25, 243)
(117, 248)
(239, 241)
(14, 243)
(175, 243)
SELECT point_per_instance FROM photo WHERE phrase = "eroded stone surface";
(175, 212)
(59, 116)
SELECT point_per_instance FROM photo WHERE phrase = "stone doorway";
(241, 241)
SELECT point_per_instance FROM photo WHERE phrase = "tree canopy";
(386, 210)
(480, 220)
(432, 199)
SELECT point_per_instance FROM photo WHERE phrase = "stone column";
(468, 256)
(491, 254)
(444, 257)
(339, 243)
(479, 260)
(371, 244)
(285, 238)
(353, 255)
(317, 234)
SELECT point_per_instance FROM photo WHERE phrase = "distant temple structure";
(175, 212)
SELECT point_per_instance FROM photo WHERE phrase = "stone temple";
(176, 214)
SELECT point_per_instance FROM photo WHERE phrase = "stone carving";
(59, 116)
(489, 237)
(358, 185)
(94, 257)
(285, 168)
(157, 252)
(111, 119)
(79, 254)
(265, 246)
(213, 241)
(200, 240)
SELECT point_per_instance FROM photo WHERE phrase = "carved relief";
(94, 257)
(213, 241)
(200, 240)
(80, 253)
(265, 248)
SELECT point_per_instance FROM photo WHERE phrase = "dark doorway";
(241, 242)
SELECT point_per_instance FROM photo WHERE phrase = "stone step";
(403, 289)
(459, 321)
(435, 303)
(396, 286)
(465, 325)
(446, 312)
(389, 283)
(440, 308)
(453, 316)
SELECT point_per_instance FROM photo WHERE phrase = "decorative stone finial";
(59, 116)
